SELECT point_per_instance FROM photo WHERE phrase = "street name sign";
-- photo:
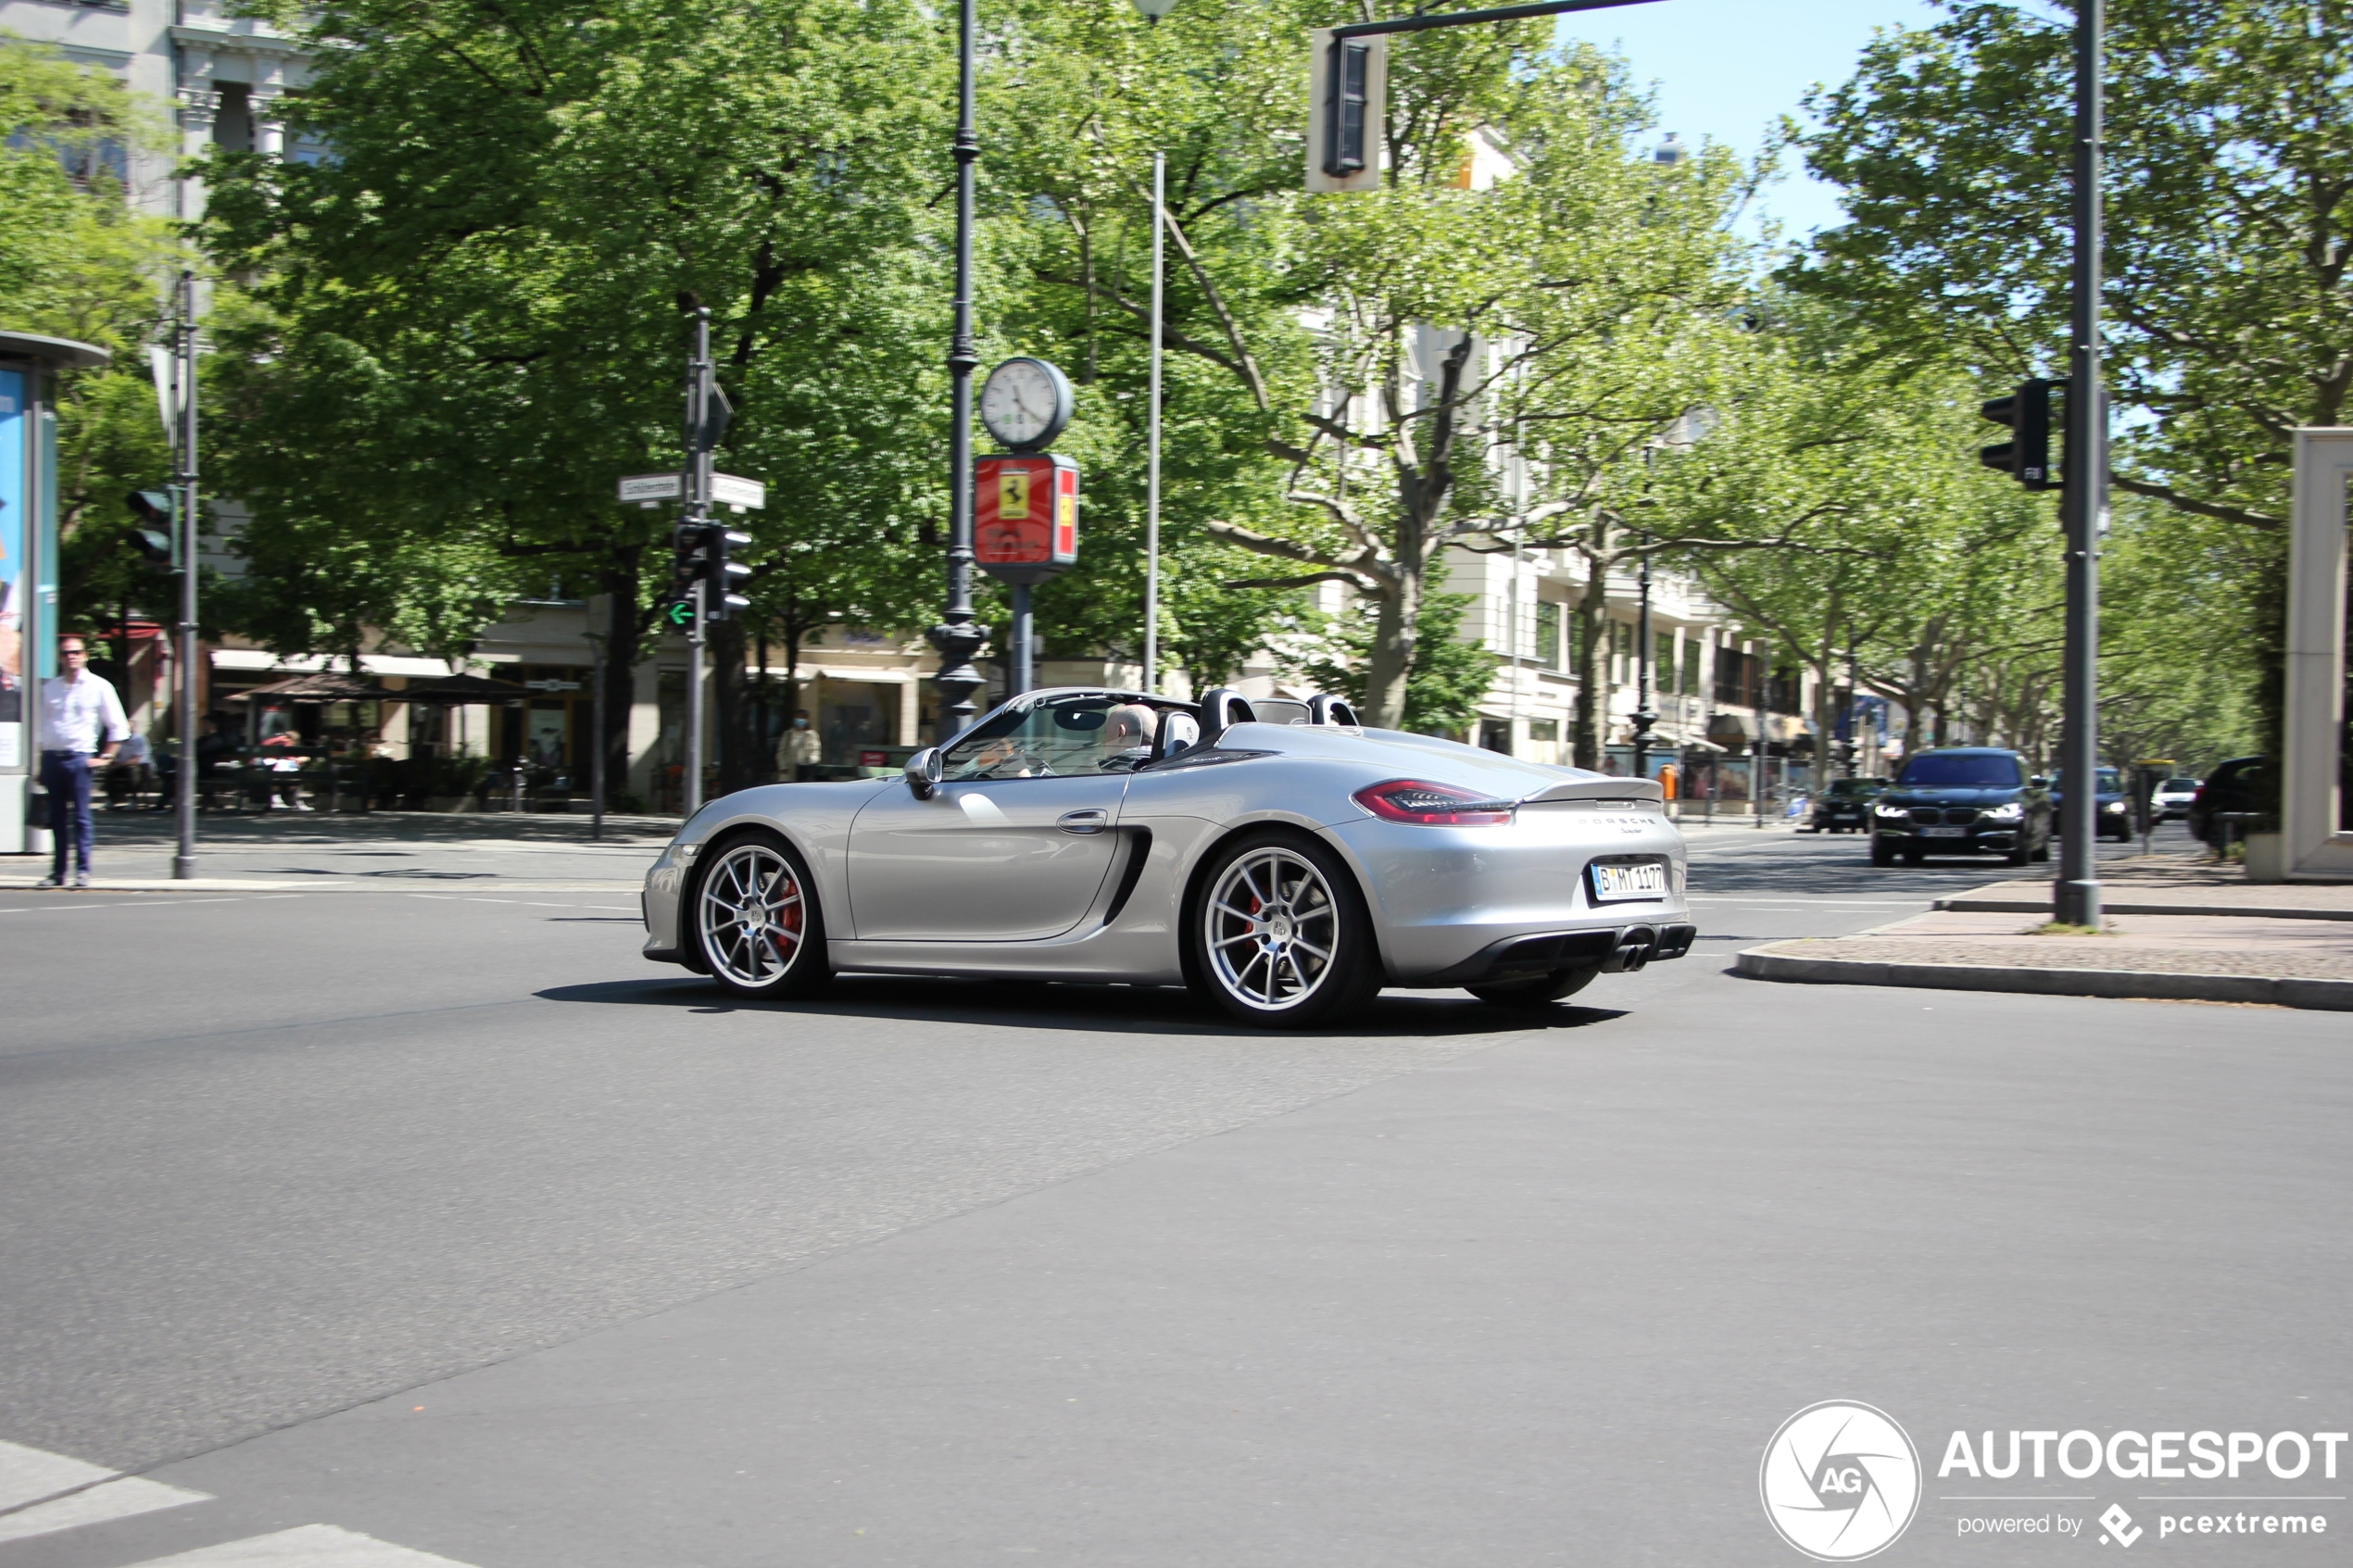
(726, 490)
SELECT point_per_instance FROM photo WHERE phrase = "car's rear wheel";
(1538, 993)
(1279, 937)
(757, 922)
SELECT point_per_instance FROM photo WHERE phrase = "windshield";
(1059, 736)
(2178, 784)
(2111, 781)
(1846, 789)
(1961, 769)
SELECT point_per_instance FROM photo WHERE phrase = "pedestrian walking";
(800, 751)
(81, 719)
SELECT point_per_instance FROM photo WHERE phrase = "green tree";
(468, 324)
(2230, 142)
(77, 261)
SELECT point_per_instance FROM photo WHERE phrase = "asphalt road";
(444, 1218)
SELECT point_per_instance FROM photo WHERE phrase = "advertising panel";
(1025, 517)
(16, 584)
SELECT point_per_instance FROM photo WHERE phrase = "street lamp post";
(1152, 477)
(2076, 896)
(957, 636)
(183, 859)
(1644, 715)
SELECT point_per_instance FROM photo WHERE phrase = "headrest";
(1222, 707)
(1336, 711)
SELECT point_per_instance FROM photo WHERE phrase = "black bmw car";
(1846, 806)
(1962, 800)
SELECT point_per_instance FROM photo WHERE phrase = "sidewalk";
(2178, 929)
(379, 852)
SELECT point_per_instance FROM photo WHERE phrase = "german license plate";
(1944, 832)
(1640, 879)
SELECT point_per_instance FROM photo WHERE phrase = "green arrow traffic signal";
(679, 613)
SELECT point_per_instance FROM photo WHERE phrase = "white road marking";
(311, 1545)
(111, 1500)
(30, 1474)
(42, 1492)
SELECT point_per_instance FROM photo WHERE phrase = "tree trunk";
(618, 583)
(1590, 743)
(1392, 659)
(738, 759)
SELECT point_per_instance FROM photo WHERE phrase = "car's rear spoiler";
(1647, 791)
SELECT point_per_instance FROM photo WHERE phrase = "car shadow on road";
(1138, 1009)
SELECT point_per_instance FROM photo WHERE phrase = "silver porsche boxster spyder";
(1275, 857)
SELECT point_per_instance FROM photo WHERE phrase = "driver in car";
(1127, 738)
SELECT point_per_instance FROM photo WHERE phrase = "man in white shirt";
(80, 716)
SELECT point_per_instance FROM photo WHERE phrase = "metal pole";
(183, 860)
(1151, 462)
(697, 510)
(2076, 896)
(1024, 666)
(957, 637)
(694, 706)
(597, 723)
(1643, 717)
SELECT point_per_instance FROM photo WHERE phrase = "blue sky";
(1722, 69)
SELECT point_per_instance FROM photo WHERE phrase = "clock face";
(1024, 403)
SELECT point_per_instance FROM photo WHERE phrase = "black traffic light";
(703, 552)
(1347, 89)
(2026, 456)
(154, 541)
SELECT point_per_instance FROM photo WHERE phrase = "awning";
(459, 689)
(324, 686)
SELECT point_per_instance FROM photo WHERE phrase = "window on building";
(1548, 633)
(1740, 679)
(1662, 661)
(1690, 684)
(1544, 728)
(1785, 693)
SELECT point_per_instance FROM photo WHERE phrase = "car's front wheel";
(1540, 992)
(1279, 937)
(1882, 852)
(757, 927)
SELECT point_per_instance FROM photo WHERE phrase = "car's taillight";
(1433, 805)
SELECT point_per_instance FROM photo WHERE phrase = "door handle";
(1083, 822)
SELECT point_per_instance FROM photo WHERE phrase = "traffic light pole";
(697, 510)
(183, 859)
(2076, 894)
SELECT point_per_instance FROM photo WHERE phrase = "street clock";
(1026, 402)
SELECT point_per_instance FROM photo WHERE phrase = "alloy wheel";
(752, 913)
(1271, 930)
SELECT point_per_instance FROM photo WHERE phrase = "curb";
(2329, 996)
(1964, 903)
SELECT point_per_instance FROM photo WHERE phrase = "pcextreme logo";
(1840, 1481)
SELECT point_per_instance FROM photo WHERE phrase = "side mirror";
(922, 772)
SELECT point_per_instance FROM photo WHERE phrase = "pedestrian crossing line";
(311, 1545)
(96, 1505)
(42, 1493)
(30, 1474)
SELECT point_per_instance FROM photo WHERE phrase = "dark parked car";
(1962, 800)
(2112, 813)
(1846, 806)
(2241, 785)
